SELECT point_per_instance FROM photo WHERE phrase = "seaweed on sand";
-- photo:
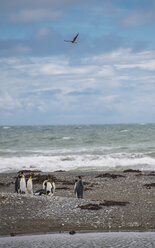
(131, 170)
(109, 175)
(90, 206)
(146, 174)
(149, 185)
(113, 203)
(100, 205)
(62, 188)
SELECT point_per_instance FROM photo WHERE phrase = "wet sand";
(87, 240)
(113, 201)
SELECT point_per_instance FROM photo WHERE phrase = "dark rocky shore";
(113, 201)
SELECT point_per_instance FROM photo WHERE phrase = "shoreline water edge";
(112, 201)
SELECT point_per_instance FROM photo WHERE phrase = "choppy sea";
(77, 147)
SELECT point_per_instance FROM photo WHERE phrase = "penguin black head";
(80, 177)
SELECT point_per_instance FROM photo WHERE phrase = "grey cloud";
(47, 42)
(18, 4)
(19, 12)
(43, 42)
(34, 16)
(138, 18)
(140, 46)
(14, 48)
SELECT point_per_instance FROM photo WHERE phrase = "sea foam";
(75, 162)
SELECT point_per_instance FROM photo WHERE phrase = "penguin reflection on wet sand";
(79, 188)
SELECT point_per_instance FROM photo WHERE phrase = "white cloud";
(8, 102)
(108, 99)
(58, 69)
(96, 83)
(106, 71)
(122, 56)
(150, 65)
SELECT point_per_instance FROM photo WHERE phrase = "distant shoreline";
(113, 201)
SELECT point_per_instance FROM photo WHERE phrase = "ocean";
(77, 147)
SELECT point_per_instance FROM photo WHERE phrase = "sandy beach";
(113, 201)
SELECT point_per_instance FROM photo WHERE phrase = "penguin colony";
(23, 187)
(48, 187)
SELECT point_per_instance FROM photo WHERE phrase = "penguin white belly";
(44, 184)
(22, 185)
(29, 186)
(75, 189)
(49, 187)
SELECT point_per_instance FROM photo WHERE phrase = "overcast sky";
(107, 77)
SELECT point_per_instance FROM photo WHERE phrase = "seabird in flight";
(74, 40)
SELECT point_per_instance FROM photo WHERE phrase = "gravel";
(26, 214)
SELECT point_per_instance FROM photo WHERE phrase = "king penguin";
(41, 192)
(17, 183)
(30, 185)
(79, 188)
(22, 184)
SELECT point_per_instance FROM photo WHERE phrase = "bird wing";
(76, 37)
(68, 40)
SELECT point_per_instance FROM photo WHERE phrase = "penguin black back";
(17, 183)
(79, 188)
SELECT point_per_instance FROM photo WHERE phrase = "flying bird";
(74, 40)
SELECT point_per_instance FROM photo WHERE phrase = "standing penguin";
(30, 185)
(17, 183)
(53, 188)
(79, 188)
(22, 184)
(75, 187)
